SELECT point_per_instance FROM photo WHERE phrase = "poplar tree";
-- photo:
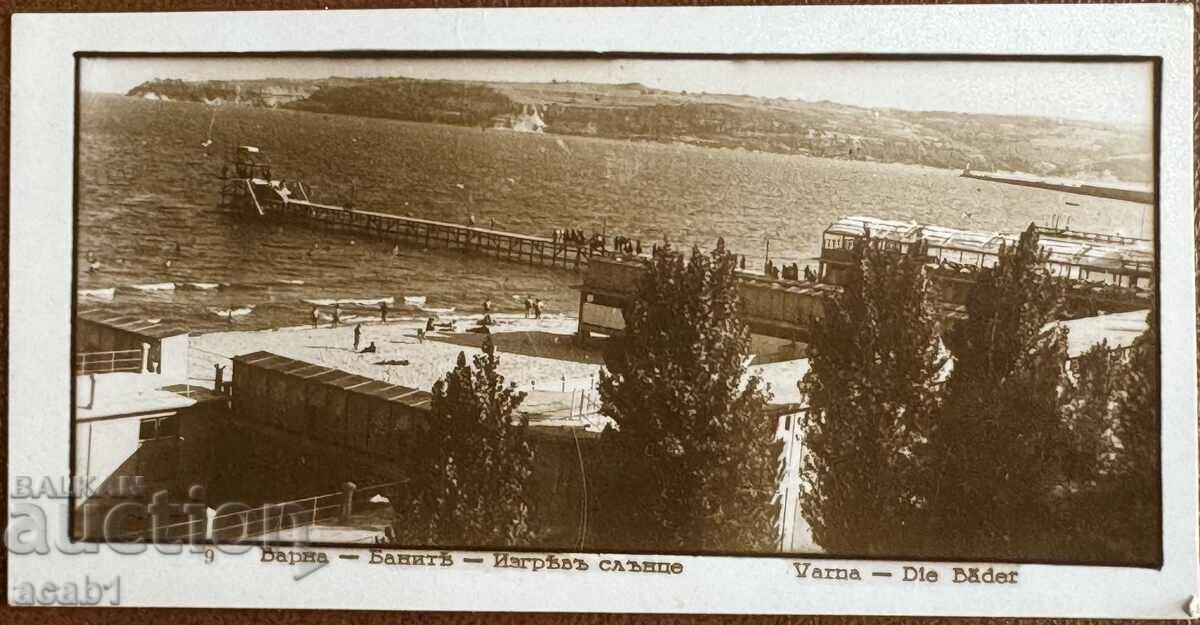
(467, 482)
(695, 452)
(1109, 506)
(871, 388)
(1135, 498)
(1001, 443)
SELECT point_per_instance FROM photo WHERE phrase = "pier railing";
(109, 362)
(268, 518)
(510, 246)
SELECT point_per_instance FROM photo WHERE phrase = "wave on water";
(351, 301)
(289, 281)
(98, 294)
(150, 288)
(199, 286)
(233, 312)
(414, 300)
(351, 318)
(438, 311)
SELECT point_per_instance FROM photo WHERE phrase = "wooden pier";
(508, 246)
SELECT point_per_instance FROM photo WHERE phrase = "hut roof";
(337, 378)
(128, 323)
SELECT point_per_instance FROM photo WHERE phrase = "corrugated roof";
(342, 380)
(1117, 254)
(129, 323)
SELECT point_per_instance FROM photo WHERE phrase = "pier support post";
(347, 500)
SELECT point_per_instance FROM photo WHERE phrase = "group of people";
(533, 308)
(597, 241)
(626, 245)
(786, 272)
(571, 235)
(336, 319)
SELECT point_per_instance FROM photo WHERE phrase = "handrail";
(108, 362)
(263, 515)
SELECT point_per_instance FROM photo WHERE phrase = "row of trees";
(999, 452)
(968, 442)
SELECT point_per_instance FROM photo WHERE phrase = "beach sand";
(555, 380)
(539, 355)
(428, 361)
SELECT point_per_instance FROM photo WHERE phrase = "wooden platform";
(508, 246)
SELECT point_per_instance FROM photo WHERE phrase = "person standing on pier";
(337, 315)
(357, 335)
(383, 311)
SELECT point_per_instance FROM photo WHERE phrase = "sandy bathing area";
(540, 355)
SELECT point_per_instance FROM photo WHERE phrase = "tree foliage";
(696, 447)
(872, 392)
(467, 482)
(1001, 442)
(1112, 500)
(1020, 453)
(1136, 498)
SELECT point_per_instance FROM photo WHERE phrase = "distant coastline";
(1040, 146)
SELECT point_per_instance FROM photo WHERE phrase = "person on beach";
(420, 335)
(528, 307)
(316, 316)
(383, 311)
(357, 335)
(537, 309)
(429, 324)
(337, 315)
(229, 315)
(369, 349)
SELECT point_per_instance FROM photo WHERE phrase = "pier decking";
(470, 239)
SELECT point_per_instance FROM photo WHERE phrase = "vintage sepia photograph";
(863, 307)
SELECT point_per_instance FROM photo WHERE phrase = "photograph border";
(470, 55)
